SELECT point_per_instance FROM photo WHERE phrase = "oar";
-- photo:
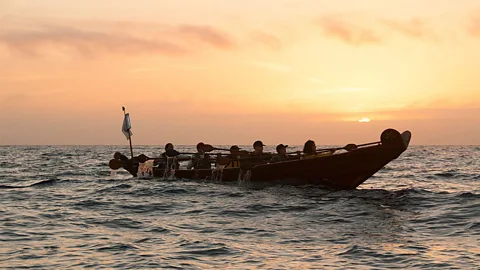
(366, 144)
(348, 147)
(210, 148)
(116, 164)
(225, 160)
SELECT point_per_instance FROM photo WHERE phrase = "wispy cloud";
(347, 32)
(266, 39)
(414, 28)
(357, 31)
(474, 27)
(36, 39)
(208, 34)
(86, 42)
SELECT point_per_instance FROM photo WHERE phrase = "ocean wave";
(116, 247)
(114, 188)
(92, 203)
(117, 223)
(446, 174)
(469, 195)
(43, 183)
(148, 208)
(208, 251)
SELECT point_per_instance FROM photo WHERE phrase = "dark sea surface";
(61, 209)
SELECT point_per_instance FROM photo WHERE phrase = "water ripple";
(64, 211)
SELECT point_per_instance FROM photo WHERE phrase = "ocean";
(61, 209)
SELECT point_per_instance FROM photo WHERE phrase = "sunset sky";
(231, 72)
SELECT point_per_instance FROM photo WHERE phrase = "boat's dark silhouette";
(343, 170)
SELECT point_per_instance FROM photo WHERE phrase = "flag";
(127, 126)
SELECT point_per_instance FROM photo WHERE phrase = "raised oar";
(366, 144)
(210, 148)
(348, 147)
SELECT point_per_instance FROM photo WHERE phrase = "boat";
(346, 169)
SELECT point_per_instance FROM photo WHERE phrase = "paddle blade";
(350, 147)
(208, 148)
(115, 164)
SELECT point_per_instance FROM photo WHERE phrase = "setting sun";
(364, 120)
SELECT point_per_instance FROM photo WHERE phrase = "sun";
(364, 120)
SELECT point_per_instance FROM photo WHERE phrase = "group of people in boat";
(202, 159)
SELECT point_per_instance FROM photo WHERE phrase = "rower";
(124, 162)
(169, 153)
(234, 156)
(200, 160)
(257, 148)
(310, 150)
(259, 157)
(281, 153)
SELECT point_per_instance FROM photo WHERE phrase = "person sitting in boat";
(200, 160)
(310, 150)
(233, 158)
(124, 162)
(257, 148)
(281, 153)
(170, 152)
(258, 152)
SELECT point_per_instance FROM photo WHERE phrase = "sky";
(232, 72)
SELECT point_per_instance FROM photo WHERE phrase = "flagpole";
(129, 137)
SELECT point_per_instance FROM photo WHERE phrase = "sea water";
(60, 208)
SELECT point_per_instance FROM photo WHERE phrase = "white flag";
(127, 126)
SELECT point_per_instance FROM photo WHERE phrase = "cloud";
(347, 32)
(268, 40)
(86, 42)
(414, 28)
(33, 38)
(208, 35)
(355, 31)
(474, 27)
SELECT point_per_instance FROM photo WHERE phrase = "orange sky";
(229, 72)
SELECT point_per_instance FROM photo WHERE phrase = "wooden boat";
(340, 171)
